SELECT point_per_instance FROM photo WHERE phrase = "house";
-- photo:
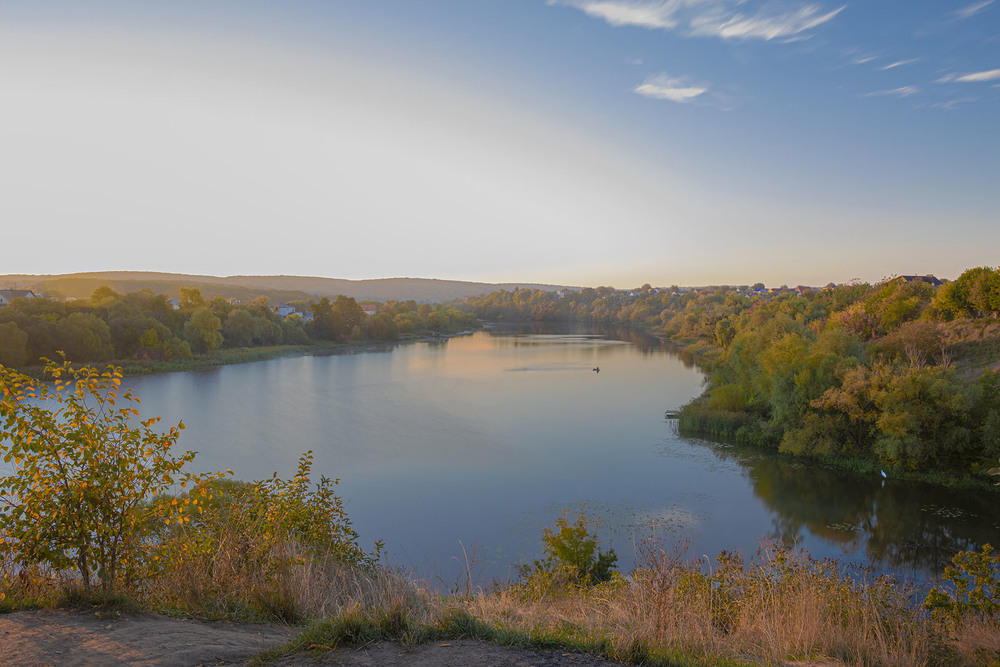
(369, 308)
(7, 294)
(284, 310)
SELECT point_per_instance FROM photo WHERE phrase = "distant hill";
(276, 288)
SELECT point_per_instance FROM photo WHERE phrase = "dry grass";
(781, 607)
(977, 643)
(286, 585)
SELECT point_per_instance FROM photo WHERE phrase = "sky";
(574, 142)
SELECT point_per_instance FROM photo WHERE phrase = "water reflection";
(900, 526)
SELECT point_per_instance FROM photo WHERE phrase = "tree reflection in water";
(902, 526)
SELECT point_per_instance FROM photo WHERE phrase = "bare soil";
(459, 653)
(85, 638)
(59, 637)
(65, 637)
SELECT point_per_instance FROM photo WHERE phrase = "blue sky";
(582, 142)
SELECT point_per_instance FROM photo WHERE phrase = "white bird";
(883, 474)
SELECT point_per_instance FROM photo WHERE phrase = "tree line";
(143, 325)
(900, 372)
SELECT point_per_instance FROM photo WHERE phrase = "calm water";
(465, 448)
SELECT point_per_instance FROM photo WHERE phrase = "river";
(458, 452)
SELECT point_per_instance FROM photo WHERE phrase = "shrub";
(251, 545)
(82, 473)
(975, 593)
(573, 555)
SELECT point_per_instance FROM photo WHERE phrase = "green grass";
(353, 628)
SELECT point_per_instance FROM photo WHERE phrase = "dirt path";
(70, 638)
(460, 653)
(63, 637)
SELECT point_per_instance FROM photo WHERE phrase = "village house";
(7, 294)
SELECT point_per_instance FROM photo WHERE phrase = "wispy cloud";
(903, 91)
(900, 63)
(766, 24)
(972, 10)
(989, 75)
(625, 12)
(708, 18)
(952, 104)
(664, 87)
(974, 77)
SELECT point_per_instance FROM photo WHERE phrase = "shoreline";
(242, 355)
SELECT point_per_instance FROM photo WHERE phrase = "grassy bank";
(281, 551)
(222, 357)
(240, 355)
(780, 607)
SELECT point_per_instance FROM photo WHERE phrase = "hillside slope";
(277, 288)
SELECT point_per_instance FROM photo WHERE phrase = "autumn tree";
(327, 323)
(81, 472)
(191, 298)
(349, 309)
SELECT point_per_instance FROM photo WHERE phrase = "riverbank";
(742, 428)
(780, 608)
(242, 355)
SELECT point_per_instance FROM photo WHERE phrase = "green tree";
(13, 345)
(221, 307)
(349, 309)
(85, 337)
(380, 326)
(984, 291)
(203, 330)
(104, 295)
(327, 323)
(191, 298)
(238, 328)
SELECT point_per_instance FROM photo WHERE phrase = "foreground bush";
(83, 509)
(81, 471)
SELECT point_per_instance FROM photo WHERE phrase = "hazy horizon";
(523, 283)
